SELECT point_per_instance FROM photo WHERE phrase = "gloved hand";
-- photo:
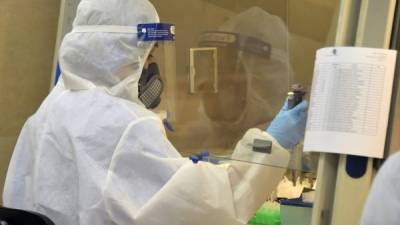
(288, 127)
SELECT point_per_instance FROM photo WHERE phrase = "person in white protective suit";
(383, 203)
(93, 154)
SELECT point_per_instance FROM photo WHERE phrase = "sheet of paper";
(350, 101)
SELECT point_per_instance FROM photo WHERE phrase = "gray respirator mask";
(151, 86)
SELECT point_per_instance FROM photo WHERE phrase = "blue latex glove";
(288, 127)
(203, 156)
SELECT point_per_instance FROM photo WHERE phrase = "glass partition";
(235, 62)
(232, 71)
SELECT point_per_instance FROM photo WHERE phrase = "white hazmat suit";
(92, 154)
(383, 204)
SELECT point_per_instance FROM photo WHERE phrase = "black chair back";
(10, 216)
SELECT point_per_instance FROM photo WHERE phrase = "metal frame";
(340, 199)
(393, 144)
(328, 163)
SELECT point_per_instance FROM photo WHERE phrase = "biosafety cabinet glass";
(235, 63)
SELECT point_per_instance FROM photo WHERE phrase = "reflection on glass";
(235, 62)
(253, 75)
(203, 70)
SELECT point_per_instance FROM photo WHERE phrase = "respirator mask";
(151, 85)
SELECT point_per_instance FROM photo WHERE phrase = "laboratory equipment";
(295, 212)
(206, 156)
(296, 95)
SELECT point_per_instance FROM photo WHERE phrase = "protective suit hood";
(266, 80)
(111, 61)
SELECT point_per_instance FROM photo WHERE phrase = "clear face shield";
(156, 70)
